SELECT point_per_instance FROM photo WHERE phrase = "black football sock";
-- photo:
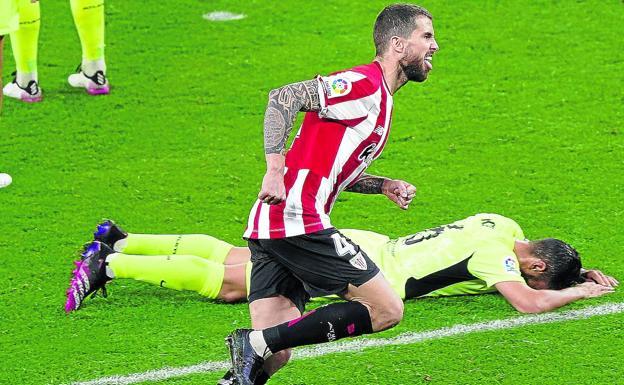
(262, 378)
(327, 323)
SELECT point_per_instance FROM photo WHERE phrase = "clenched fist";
(399, 192)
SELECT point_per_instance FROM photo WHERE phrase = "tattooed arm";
(398, 191)
(284, 104)
(368, 184)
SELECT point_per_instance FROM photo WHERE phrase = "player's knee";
(395, 312)
(231, 296)
(387, 315)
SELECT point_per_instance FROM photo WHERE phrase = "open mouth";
(428, 58)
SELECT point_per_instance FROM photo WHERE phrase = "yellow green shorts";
(9, 18)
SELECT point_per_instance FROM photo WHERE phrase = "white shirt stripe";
(351, 75)
(351, 109)
(250, 220)
(293, 220)
(263, 221)
(321, 198)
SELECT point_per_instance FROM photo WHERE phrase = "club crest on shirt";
(337, 86)
(510, 265)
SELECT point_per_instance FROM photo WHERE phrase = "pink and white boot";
(97, 84)
(29, 94)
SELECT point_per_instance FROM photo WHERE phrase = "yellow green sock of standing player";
(24, 42)
(179, 272)
(89, 20)
(200, 245)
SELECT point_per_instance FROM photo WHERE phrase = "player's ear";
(538, 266)
(397, 44)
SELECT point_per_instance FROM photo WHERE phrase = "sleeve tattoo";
(284, 104)
(368, 184)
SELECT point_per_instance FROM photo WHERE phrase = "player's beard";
(414, 71)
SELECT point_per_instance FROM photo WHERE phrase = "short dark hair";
(563, 264)
(396, 20)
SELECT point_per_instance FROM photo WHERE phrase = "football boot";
(246, 363)
(29, 94)
(89, 276)
(97, 84)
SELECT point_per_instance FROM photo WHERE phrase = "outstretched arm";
(398, 191)
(528, 300)
(284, 104)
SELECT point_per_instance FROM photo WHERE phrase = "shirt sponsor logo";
(367, 154)
(358, 262)
(337, 86)
(510, 265)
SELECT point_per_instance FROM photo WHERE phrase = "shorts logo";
(331, 334)
(510, 265)
(337, 86)
(358, 262)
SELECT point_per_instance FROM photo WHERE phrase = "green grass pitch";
(522, 115)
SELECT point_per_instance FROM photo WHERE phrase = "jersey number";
(429, 234)
(343, 247)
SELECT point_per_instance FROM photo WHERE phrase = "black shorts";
(309, 265)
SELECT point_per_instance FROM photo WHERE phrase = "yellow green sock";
(179, 272)
(25, 40)
(89, 20)
(200, 245)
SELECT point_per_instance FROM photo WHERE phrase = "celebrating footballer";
(295, 251)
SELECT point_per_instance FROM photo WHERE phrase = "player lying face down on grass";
(483, 253)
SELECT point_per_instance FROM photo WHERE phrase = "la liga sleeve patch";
(336, 86)
(511, 265)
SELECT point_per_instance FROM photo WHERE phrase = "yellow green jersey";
(469, 256)
(9, 18)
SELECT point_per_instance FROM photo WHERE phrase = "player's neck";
(522, 249)
(392, 74)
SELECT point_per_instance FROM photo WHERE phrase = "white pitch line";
(223, 16)
(360, 344)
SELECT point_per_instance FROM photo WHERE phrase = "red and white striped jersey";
(331, 150)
